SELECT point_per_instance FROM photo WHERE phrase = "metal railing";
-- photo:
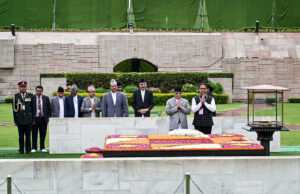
(10, 181)
(187, 178)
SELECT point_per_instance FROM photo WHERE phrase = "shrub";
(270, 100)
(221, 98)
(163, 80)
(130, 88)
(101, 90)
(81, 90)
(294, 100)
(155, 90)
(218, 88)
(8, 100)
(189, 88)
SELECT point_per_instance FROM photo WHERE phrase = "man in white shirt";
(203, 106)
(115, 103)
(58, 103)
(91, 105)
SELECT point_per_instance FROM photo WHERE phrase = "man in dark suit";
(73, 103)
(24, 115)
(142, 100)
(43, 112)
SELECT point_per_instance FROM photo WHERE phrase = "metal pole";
(187, 181)
(8, 184)
(53, 24)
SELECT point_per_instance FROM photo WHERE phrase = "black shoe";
(28, 152)
(21, 152)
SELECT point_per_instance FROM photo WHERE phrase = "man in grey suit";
(91, 106)
(178, 108)
(58, 103)
(115, 103)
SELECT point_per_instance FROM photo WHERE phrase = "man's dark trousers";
(24, 130)
(41, 128)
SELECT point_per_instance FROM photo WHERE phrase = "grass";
(6, 115)
(13, 154)
(290, 138)
(291, 113)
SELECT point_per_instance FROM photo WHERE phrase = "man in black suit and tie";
(142, 100)
(43, 112)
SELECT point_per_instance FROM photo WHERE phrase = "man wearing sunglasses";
(178, 108)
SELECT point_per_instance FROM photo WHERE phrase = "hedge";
(294, 100)
(161, 98)
(166, 81)
(8, 100)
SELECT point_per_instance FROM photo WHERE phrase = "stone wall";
(75, 135)
(255, 58)
(214, 175)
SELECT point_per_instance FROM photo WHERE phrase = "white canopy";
(266, 88)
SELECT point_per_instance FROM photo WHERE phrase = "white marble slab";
(75, 135)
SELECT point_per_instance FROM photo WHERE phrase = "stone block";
(69, 176)
(248, 187)
(208, 166)
(17, 170)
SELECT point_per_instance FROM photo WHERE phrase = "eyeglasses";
(203, 88)
(177, 92)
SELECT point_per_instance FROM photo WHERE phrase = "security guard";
(24, 115)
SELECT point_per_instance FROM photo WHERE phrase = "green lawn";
(290, 138)
(13, 154)
(9, 137)
(6, 115)
(291, 113)
(232, 106)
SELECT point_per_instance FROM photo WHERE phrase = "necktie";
(39, 106)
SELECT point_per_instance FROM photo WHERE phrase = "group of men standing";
(32, 112)
(31, 115)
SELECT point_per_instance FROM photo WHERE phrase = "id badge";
(201, 111)
(23, 107)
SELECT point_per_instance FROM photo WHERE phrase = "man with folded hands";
(91, 105)
(178, 108)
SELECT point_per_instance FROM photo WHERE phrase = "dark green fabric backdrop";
(233, 15)
(177, 14)
(91, 14)
(237, 14)
(287, 13)
(29, 14)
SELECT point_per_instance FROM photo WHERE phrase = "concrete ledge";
(154, 175)
(72, 135)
